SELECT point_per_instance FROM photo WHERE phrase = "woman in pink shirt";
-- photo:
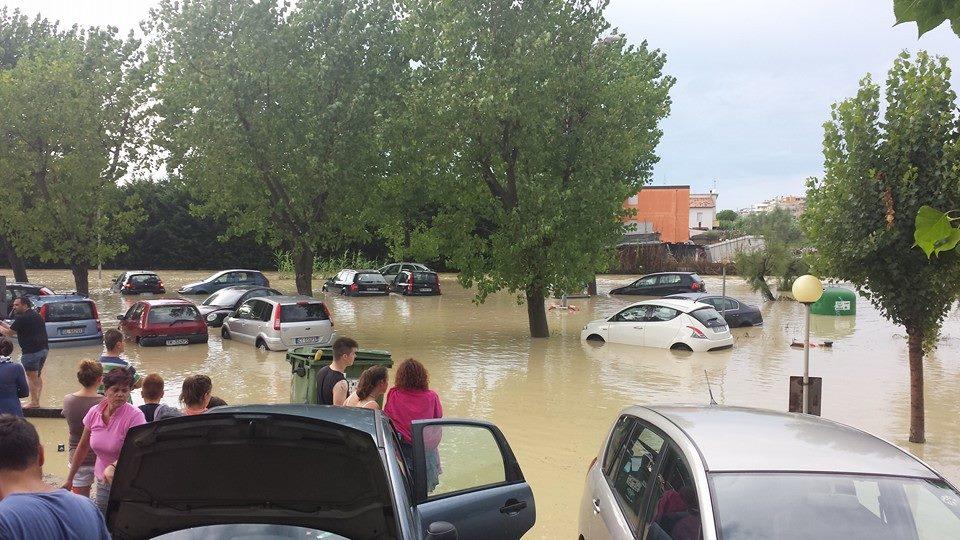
(411, 399)
(104, 430)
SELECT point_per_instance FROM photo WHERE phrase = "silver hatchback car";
(686, 473)
(278, 323)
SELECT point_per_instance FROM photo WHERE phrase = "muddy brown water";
(555, 398)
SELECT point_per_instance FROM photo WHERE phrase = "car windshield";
(68, 311)
(834, 506)
(370, 278)
(169, 314)
(302, 312)
(258, 531)
(708, 316)
(224, 298)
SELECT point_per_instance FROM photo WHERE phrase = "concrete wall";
(667, 208)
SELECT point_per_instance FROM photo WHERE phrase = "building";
(663, 210)
(795, 204)
(703, 210)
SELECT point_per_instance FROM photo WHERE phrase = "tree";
(778, 257)
(541, 123)
(878, 174)
(69, 112)
(727, 215)
(928, 14)
(273, 115)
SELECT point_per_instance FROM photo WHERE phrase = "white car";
(665, 323)
(278, 323)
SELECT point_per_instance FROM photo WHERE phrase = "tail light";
(45, 291)
(438, 285)
(128, 285)
(96, 316)
(43, 312)
(326, 311)
(160, 283)
(695, 286)
(276, 317)
(354, 287)
(410, 284)
(697, 333)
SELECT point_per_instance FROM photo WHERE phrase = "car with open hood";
(308, 470)
(222, 303)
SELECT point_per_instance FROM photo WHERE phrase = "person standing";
(332, 388)
(112, 359)
(104, 429)
(13, 381)
(411, 399)
(372, 384)
(29, 508)
(31, 332)
(75, 407)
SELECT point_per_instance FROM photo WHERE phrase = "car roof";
(747, 439)
(244, 288)
(287, 299)
(669, 273)
(141, 272)
(355, 417)
(367, 271)
(237, 270)
(166, 302)
(681, 304)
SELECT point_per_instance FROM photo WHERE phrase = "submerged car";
(278, 323)
(137, 282)
(224, 279)
(664, 283)
(736, 312)
(308, 471)
(225, 301)
(357, 283)
(168, 322)
(710, 472)
(416, 282)
(668, 324)
(390, 271)
(70, 318)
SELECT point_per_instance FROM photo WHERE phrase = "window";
(141, 280)
(260, 310)
(240, 277)
(632, 314)
(370, 278)
(674, 510)
(662, 313)
(223, 278)
(708, 316)
(68, 311)
(427, 278)
(614, 446)
(632, 200)
(470, 456)
(170, 314)
(729, 304)
(302, 312)
(135, 312)
(669, 279)
(224, 298)
(632, 474)
(648, 281)
(246, 310)
(390, 269)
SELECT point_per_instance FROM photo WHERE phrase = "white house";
(703, 210)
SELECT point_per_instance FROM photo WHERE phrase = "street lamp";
(807, 290)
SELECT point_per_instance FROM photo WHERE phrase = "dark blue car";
(299, 471)
(736, 312)
(224, 279)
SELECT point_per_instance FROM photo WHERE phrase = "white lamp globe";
(807, 289)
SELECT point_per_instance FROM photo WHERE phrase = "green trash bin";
(836, 301)
(305, 362)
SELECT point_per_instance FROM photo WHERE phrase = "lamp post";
(807, 290)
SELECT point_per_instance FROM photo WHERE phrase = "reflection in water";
(555, 399)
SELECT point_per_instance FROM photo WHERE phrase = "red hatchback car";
(164, 322)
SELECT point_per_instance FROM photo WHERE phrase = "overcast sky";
(755, 78)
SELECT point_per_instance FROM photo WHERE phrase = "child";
(152, 393)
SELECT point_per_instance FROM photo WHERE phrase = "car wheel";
(595, 337)
(262, 345)
(225, 332)
(681, 347)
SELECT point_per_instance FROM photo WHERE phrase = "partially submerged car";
(663, 283)
(736, 312)
(357, 283)
(137, 282)
(666, 323)
(70, 319)
(278, 323)
(308, 471)
(224, 279)
(416, 282)
(390, 271)
(169, 321)
(225, 301)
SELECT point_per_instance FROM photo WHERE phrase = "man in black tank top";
(332, 386)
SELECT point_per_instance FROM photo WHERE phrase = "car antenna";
(712, 401)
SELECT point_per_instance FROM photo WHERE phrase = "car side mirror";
(120, 317)
(441, 530)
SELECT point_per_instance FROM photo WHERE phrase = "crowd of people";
(101, 412)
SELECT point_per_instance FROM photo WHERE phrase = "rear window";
(144, 279)
(425, 277)
(708, 316)
(302, 312)
(169, 314)
(68, 311)
(370, 278)
(696, 277)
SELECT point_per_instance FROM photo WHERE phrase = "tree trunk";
(592, 286)
(303, 268)
(16, 263)
(81, 279)
(915, 348)
(537, 313)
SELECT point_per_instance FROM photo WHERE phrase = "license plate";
(176, 341)
(373, 288)
(302, 340)
(71, 331)
(719, 329)
(425, 289)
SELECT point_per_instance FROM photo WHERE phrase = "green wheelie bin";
(305, 362)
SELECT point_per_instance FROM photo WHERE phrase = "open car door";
(466, 475)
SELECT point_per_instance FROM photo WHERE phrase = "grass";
(323, 267)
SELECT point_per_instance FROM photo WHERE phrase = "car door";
(130, 324)
(672, 509)
(646, 285)
(627, 326)
(669, 284)
(730, 309)
(629, 475)
(661, 326)
(466, 474)
(241, 323)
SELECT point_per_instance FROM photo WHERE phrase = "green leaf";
(928, 14)
(933, 232)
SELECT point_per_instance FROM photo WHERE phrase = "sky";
(755, 78)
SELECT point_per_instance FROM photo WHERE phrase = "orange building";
(662, 209)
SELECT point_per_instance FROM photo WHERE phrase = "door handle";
(638, 328)
(596, 505)
(512, 507)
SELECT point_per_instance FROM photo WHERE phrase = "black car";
(664, 283)
(224, 279)
(416, 282)
(357, 283)
(16, 290)
(225, 301)
(734, 311)
(138, 281)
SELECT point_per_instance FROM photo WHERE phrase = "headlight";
(212, 317)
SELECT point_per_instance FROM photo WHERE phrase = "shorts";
(84, 477)
(33, 361)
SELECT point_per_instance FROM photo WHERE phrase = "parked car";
(308, 471)
(277, 323)
(138, 281)
(224, 279)
(69, 318)
(416, 282)
(664, 283)
(357, 283)
(18, 289)
(225, 301)
(673, 324)
(168, 321)
(390, 271)
(735, 312)
(690, 472)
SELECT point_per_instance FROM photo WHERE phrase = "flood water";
(555, 398)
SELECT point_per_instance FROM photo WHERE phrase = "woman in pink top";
(411, 399)
(104, 430)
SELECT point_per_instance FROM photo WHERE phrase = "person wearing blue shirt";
(31, 509)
